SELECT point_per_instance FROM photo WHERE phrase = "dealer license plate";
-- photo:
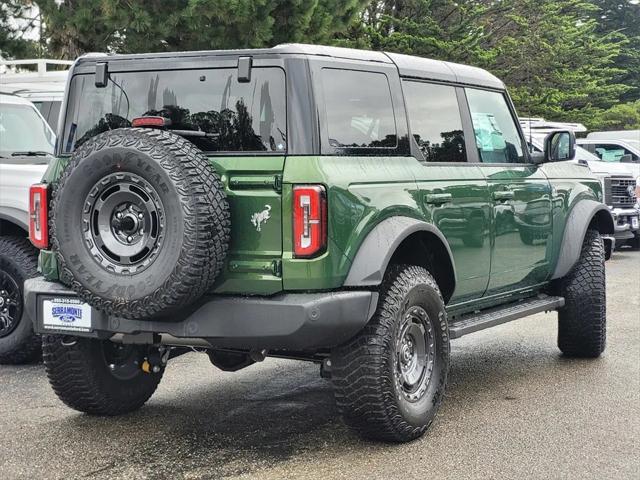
(68, 314)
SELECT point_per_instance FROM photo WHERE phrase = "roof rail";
(40, 63)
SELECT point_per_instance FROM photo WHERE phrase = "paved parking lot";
(514, 409)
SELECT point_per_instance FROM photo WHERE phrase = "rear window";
(359, 109)
(241, 117)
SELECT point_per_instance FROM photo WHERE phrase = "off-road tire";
(582, 322)
(81, 378)
(364, 369)
(193, 203)
(19, 259)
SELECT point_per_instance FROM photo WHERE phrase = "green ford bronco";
(355, 209)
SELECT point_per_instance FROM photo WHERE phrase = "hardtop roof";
(409, 66)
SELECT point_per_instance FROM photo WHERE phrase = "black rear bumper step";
(474, 322)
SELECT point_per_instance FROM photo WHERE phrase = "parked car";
(297, 202)
(44, 86)
(615, 147)
(26, 145)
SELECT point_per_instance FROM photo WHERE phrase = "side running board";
(476, 321)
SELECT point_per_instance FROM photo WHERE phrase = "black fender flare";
(375, 252)
(584, 214)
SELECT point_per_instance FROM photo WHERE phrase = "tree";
(623, 17)
(552, 58)
(73, 27)
(441, 29)
(15, 18)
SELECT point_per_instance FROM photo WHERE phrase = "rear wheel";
(18, 262)
(390, 379)
(99, 377)
(582, 322)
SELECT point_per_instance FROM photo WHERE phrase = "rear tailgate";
(253, 187)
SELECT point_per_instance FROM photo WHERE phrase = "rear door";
(453, 192)
(520, 195)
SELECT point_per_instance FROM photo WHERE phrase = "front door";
(520, 196)
(452, 193)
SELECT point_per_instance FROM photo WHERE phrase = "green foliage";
(574, 60)
(14, 20)
(623, 17)
(624, 116)
(557, 59)
(548, 52)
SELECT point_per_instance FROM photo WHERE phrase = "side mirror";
(628, 158)
(560, 146)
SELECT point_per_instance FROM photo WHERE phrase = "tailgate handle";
(438, 198)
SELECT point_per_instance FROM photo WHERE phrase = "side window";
(359, 109)
(435, 121)
(611, 153)
(496, 133)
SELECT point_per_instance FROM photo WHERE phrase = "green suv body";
(368, 206)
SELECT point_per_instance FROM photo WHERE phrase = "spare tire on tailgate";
(140, 222)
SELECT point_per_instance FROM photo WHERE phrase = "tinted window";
(359, 109)
(496, 133)
(435, 121)
(241, 117)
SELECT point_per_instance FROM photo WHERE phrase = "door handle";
(503, 195)
(437, 198)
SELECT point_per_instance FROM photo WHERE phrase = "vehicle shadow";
(280, 409)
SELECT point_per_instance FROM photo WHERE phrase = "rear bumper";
(297, 321)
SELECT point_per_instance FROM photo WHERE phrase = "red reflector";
(39, 215)
(309, 220)
(150, 121)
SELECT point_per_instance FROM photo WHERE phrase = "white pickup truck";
(26, 144)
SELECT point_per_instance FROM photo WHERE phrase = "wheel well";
(602, 222)
(426, 250)
(10, 228)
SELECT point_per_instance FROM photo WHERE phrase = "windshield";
(236, 116)
(23, 130)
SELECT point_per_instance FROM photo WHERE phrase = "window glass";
(22, 129)
(359, 109)
(240, 117)
(496, 133)
(611, 153)
(435, 121)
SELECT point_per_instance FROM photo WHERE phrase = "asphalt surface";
(514, 409)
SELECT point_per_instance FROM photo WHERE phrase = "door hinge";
(276, 268)
(277, 183)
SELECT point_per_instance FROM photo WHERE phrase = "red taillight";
(150, 121)
(309, 220)
(39, 215)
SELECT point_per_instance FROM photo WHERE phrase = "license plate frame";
(635, 224)
(66, 314)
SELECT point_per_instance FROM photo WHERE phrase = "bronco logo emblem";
(259, 218)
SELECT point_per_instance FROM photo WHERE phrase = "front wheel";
(390, 379)
(99, 377)
(582, 322)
